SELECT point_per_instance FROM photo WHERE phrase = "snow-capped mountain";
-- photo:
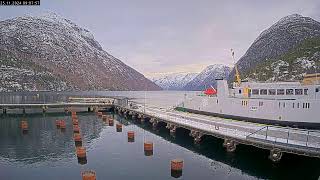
(285, 51)
(208, 77)
(175, 81)
(49, 52)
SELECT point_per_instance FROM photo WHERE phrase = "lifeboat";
(210, 91)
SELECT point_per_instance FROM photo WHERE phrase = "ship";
(293, 104)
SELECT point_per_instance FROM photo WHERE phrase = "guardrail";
(287, 136)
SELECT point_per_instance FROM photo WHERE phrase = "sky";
(172, 36)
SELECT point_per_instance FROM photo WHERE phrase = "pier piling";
(275, 155)
(230, 145)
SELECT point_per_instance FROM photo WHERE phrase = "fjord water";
(46, 152)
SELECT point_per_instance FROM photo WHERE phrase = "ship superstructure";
(282, 103)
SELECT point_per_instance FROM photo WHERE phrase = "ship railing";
(287, 136)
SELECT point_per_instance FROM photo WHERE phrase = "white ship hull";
(286, 111)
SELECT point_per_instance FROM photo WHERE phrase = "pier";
(276, 139)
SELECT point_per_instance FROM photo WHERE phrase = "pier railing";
(287, 136)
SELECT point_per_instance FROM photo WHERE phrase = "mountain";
(49, 52)
(208, 77)
(174, 81)
(285, 51)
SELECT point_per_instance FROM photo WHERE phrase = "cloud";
(170, 36)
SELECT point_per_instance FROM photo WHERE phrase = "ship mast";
(238, 79)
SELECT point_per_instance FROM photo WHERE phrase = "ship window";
(217, 101)
(263, 91)
(317, 89)
(272, 92)
(289, 91)
(298, 91)
(292, 105)
(239, 91)
(280, 91)
(303, 105)
(284, 104)
(255, 91)
(298, 105)
(305, 91)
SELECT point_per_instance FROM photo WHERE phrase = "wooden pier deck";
(277, 139)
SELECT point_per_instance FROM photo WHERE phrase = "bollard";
(130, 136)
(88, 175)
(119, 127)
(148, 148)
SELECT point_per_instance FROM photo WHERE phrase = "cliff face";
(51, 53)
(274, 44)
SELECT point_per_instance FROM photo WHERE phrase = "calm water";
(47, 153)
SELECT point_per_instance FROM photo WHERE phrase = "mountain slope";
(276, 41)
(49, 52)
(174, 81)
(293, 65)
(208, 77)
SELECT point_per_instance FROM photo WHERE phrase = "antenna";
(238, 79)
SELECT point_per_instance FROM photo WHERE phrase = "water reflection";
(43, 141)
(109, 154)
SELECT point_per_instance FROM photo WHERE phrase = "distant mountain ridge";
(49, 52)
(284, 52)
(207, 77)
(175, 81)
